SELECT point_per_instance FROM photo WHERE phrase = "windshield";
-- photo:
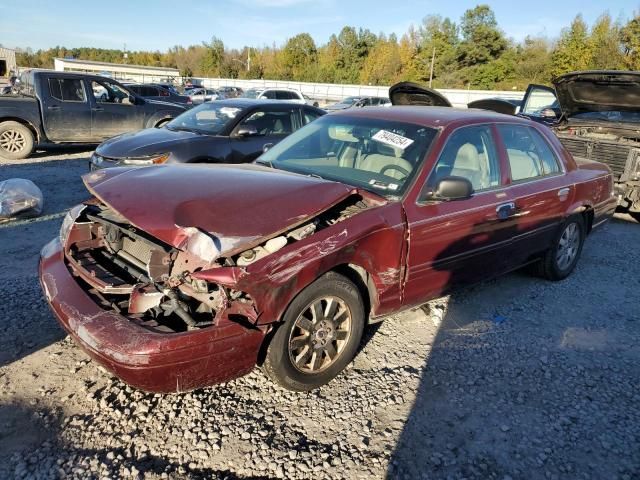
(208, 118)
(609, 116)
(251, 93)
(374, 154)
(349, 100)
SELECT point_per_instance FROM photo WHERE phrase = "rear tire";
(16, 141)
(560, 260)
(319, 336)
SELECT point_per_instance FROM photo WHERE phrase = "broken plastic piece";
(499, 319)
(19, 198)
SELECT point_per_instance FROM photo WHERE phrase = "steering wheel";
(395, 167)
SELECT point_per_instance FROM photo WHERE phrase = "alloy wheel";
(12, 141)
(568, 246)
(320, 334)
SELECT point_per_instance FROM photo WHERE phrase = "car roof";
(253, 102)
(434, 117)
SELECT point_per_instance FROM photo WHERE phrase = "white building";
(7, 61)
(118, 71)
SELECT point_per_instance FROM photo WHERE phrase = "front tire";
(319, 336)
(16, 141)
(560, 260)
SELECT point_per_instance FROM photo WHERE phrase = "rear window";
(67, 89)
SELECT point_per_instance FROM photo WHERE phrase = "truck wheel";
(560, 260)
(16, 141)
(319, 336)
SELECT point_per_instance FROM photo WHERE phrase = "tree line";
(471, 53)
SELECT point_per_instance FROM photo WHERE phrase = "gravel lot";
(515, 378)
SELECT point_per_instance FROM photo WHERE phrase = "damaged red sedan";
(178, 277)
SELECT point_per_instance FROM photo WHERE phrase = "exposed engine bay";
(151, 283)
(617, 147)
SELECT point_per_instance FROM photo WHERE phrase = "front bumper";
(98, 162)
(155, 362)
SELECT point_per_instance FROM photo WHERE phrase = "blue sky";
(159, 24)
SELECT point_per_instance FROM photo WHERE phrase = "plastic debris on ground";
(19, 198)
(499, 319)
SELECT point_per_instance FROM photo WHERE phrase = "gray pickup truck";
(66, 107)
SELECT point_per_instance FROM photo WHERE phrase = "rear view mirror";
(451, 188)
(247, 131)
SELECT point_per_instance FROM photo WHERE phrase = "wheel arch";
(587, 213)
(26, 123)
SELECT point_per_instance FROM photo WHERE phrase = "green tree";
(439, 36)
(482, 41)
(300, 57)
(574, 49)
(630, 39)
(213, 55)
(383, 65)
(605, 46)
(533, 61)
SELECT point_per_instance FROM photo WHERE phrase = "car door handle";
(97, 109)
(53, 107)
(563, 192)
(505, 211)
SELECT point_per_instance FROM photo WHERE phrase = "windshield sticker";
(398, 141)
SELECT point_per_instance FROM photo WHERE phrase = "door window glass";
(469, 153)
(271, 123)
(529, 154)
(107, 92)
(270, 94)
(538, 100)
(310, 116)
(67, 89)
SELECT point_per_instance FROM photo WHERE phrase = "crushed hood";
(598, 91)
(409, 93)
(238, 207)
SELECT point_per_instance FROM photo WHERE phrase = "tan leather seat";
(377, 162)
(471, 165)
(278, 126)
(523, 164)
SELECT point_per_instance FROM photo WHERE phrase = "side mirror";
(451, 188)
(266, 147)
(247, 131)
(548, 113)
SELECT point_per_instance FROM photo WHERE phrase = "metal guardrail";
(334, 92)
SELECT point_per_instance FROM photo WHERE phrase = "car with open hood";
(177, 277)
(597, 117)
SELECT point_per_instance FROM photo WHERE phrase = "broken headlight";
(68, 221)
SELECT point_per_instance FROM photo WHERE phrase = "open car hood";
(598, 91)
(237, 206)
(409, 93)
(501, 105)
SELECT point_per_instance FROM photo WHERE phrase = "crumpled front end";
(176, 317)
(115, 290)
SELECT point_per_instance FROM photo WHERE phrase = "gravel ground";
(516, 378)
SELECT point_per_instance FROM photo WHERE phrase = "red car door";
(539, 189)
(460, 241)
